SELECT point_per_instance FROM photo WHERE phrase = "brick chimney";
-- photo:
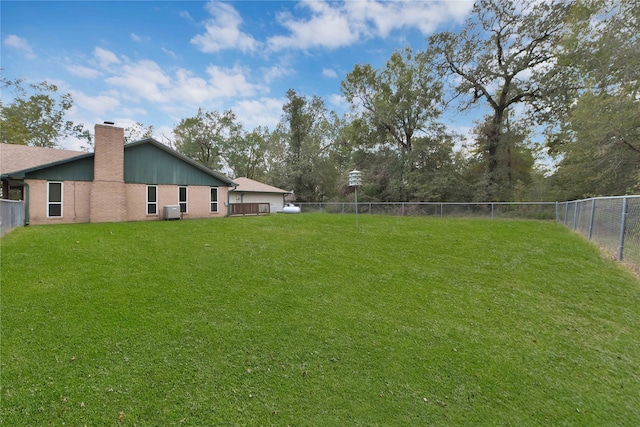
(108, 202)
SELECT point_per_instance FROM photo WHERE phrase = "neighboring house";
(118, 182)
(250, 191)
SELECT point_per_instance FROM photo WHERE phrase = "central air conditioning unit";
(172, 212)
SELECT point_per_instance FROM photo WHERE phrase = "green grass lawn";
(310, 320)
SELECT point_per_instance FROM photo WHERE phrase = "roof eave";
(263, 192)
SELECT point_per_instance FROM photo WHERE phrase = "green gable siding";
(74, 170)
(147, 164)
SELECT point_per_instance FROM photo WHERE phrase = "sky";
(157, 62)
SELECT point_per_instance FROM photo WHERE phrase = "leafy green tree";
(382, 174)
(599, 141)
(308, 145)
(514, 160)
(397, 101)
(247, 154)
(36, 115)
(206, 136)
(397, 108)
(504, 56)
(600, 157)
(431, 171)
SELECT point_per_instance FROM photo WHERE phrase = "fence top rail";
(10, 201)
(428, 203)
(635, 196)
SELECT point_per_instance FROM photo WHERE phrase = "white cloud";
(230, 82)
(21, 44)
(328, 72)
(276, 72)
(99, 105)
(132, 112)
(138, 38)
(190, 89)
(124, 122)
(338, 101)
(259, 112)
(327, 27)
(423, 15)
(143, 79)
(146, 81)
(84, 72)
(170, 53)
(105, 57)
(333, 25)
(186, 16)
(223, 31)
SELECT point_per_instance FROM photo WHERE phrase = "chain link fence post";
(623, 222)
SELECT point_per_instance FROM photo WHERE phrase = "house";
(250, 191)
(117, 182)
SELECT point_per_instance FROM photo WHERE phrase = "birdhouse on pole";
(355, 178)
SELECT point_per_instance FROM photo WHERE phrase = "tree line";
(558, 81)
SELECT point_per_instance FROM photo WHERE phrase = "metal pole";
(356, 205)
(593, 209)
(622, 227)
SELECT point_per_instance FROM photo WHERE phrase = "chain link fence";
(531, 210)
(11, 215)
(611, 222)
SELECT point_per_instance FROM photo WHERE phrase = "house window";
(182, 198)
(214, 199)
(54, 200)
(152, 200)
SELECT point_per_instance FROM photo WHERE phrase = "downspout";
(26, 204)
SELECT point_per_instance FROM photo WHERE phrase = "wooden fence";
(250, 208)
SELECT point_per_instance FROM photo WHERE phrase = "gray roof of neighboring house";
(14, 157)
(246, 185)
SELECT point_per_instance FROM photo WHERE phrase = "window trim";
(211, 201)
(186, 199)
(61, 202)
(151, 203)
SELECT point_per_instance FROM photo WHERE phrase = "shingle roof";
(247, 185)
(15, 157)
(22, 158)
